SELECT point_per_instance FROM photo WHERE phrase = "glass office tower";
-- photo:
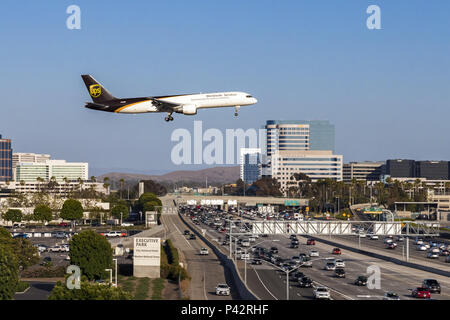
(5, 160)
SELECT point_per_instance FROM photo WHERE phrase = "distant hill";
(215, 175)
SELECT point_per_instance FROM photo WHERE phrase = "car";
(127, 224)
(361, 281)
(256, 261)
(322, 293)
(421, 292)
(444, 252)
(310, 242)
(432, 255)
(339, 263)
(305, 282)
(361, 234)
(422, 247)
(18, 225)
(339, 272)
(222, 289)
(298, 275)
(274, 250)
(336, 251)
(314, 253)
(435, 250)
(192, 237)
(306, 262)
(204, 251)
(432, 285)
(21, 236)
(295, 241)
(391, 296)
(63, 224)
(67, 258)
(293, 236)
(391, 245)
(418, 241)
(330, 266)
(61, 235)
(293, 245)
(46, 260)
(372, 236)
(95, 224)
(41, 247)
(113, 234)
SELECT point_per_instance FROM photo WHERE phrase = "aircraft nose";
(255, 100)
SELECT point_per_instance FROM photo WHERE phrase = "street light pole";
(110, 275)
(115, 275)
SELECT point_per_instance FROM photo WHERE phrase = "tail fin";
(97, 92)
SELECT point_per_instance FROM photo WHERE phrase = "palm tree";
(122, 181)
(93, 179)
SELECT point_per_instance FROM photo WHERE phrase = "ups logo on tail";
(95, 90)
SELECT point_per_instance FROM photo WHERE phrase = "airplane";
(187, 104)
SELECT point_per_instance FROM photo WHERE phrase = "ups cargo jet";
(187, 104)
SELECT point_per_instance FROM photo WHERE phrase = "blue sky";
(386, 91)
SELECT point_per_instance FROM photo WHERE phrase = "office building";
(362, 171)
(6, 173)
(59, 169)
(317, 164)
(250, 165)
(298, 135)
(29, 157)
(400, 168)
(432, 170)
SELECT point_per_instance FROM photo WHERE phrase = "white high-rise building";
(59, 169)
(29, 157)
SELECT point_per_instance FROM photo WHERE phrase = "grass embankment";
(158, 287)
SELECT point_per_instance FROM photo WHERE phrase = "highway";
(267, 283)
(205, 271)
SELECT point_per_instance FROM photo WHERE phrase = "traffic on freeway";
(297, 267)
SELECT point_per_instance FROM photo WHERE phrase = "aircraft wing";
(164, 105)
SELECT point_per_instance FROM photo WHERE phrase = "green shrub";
(22, 286)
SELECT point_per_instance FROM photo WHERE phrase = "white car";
(204, 251)
(127, 224)
(418, 241)
(314, 253)
(435, 250)
(373, 236)
(433, 255)
(322, 293)
(42, 248)
(245, 243)
(339, 263)
(56, 248)
(330, 266)
(222, 289)
(421, 247)
(362, 234)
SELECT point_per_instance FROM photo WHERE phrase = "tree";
(88, 291)
(120, 211)
(92, 253)
(13, 215)
(42, 213)
(72, 210)
(9, 272)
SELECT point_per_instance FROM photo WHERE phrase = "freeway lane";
(399, 251)
(206, 271)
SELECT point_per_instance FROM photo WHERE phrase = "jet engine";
(189, 109)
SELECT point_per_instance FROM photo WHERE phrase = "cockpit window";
(249, 96)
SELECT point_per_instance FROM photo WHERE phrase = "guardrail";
(243, 292)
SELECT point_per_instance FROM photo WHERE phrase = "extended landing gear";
(169, 117)
(236, 110)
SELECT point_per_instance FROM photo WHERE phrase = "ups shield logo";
(95, 90)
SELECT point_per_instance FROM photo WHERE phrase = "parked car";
(222, 289)
(204, 251)
(421, 292)
(113, 234)
(361, 281)
(192, 237)
(42, 247)
(61, 235)
(322, 293)
(127, 224)
(391, 296)
(63, 224)
(21, 236)
(432, 285)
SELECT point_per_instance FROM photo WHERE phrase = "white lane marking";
(204, 285)
(264, 284)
